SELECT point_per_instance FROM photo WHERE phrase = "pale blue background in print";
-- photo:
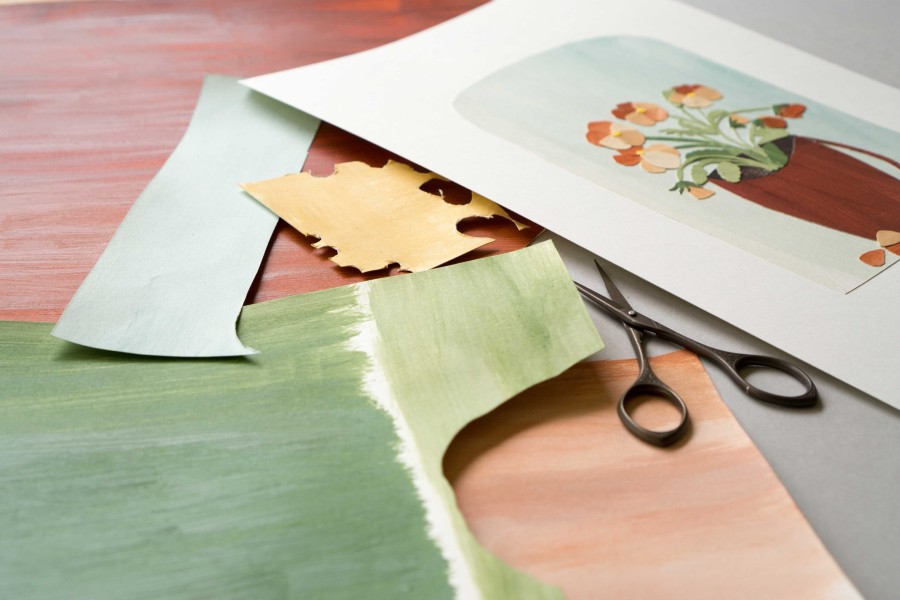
(544, 103)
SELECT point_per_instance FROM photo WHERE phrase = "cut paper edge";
(886, 238)
(376, 385)
(173, 279)
(475, 571)
(358, 211)
(873, 258)
(507, 322)
(634, 548)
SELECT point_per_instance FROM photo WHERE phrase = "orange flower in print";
(700, 193)
(640, 113)
(657, 158)
(713, 139)
(613, 135)
(693, 95)
(790, 111)
(773, 122)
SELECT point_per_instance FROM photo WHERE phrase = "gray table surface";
(841, 461)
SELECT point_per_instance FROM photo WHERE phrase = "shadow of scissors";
(648, 385)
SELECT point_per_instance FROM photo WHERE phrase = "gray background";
(841, 461)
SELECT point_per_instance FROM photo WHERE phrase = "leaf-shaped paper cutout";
(775, 154)
(698, 174)
(376, 216)
(893, 249)
(873, 258)
(886, 237)
(729, 171)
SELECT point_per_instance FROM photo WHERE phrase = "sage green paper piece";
(173, 278)
(310, 470)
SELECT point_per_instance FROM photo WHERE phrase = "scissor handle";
(648, 385)
(734, 363)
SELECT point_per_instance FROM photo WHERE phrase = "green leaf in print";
(698, 174)
(775, 154)
(764, 135)
(729, 171)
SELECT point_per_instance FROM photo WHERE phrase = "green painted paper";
(172, 280)
(309, 470)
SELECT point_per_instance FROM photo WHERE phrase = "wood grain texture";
(100, 93)
(822, 185)
(554, 484)
(174, 277)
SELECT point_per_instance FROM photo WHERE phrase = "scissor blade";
(605, 303)
(613, 290)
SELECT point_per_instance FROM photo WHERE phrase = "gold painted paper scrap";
(374, 216)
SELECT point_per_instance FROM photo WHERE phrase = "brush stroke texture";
(276, 475)
(173, 278)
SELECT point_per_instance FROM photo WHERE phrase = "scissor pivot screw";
(632, 313)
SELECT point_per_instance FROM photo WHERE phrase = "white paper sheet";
(401, 97)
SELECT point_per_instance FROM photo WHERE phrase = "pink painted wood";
(95, 95)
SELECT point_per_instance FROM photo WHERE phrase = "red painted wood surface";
(95, 95)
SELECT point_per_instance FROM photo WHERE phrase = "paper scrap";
(873, 258)
(886, 237)
(173, 278)
(376, 217)
(612, 513)
(312, 469)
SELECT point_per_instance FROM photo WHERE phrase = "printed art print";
(784, 177)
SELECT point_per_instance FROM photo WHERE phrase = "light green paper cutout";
(173, 278)
(279, 475)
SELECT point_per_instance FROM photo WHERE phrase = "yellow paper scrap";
(374, 216)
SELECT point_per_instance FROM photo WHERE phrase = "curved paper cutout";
(312, 469)
(172, 280)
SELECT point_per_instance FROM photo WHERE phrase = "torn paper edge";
(377, 387)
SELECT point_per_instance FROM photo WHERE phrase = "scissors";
(649, 385)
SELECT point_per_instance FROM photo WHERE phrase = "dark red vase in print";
(826, 186)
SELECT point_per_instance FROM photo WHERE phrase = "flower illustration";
(773, 122)
(692, 96)
(616, 136)
(640, 113)
(706, 143)
(657, 158)
(789, 111)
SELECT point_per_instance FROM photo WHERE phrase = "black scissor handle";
(655, 389)
(735, 363)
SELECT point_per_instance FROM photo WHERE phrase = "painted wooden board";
(99, 95)
(553, 483)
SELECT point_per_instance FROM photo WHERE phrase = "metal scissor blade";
(611, 288)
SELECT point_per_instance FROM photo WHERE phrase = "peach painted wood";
(553, 484)
(97, 94)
